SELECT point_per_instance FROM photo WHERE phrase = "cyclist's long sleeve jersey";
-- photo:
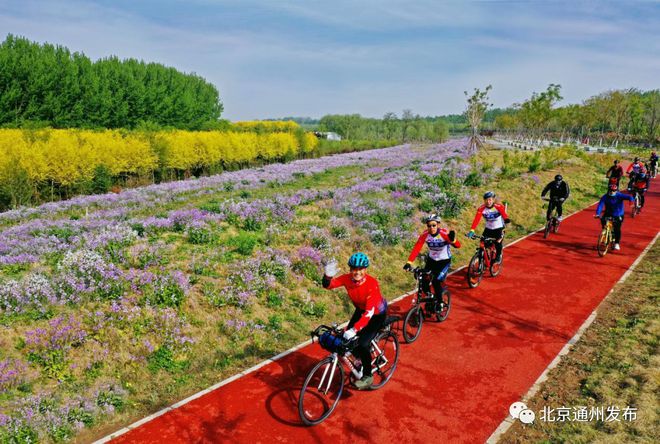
(439, 245)
(636, 168)
(365, 296)
(561, 191)
(615, 171)
(613, 205)
(494, 216)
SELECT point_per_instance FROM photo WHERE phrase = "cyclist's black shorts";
(497, 233)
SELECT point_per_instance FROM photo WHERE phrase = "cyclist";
(635, 168)
(612, 203)
(370, 309)
(615, 173)
(653, 163)
(639, 185)
(439, 241)
(559, 192)
(496, 217)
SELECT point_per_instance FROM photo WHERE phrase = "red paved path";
(456, 382)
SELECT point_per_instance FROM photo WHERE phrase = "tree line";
(408, 127)
(51, 86)
(628, 116)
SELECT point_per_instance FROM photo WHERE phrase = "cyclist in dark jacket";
(612, 204)
(615, 172)
(559, 192)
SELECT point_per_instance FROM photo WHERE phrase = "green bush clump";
(244, 243)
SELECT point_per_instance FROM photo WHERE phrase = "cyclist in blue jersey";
(611, 205)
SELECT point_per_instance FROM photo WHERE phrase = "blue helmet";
(358, 260)
(489, 194)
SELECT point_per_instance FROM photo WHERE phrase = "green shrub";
(274, 322)
(201, 235)
(473, 179)
(102, 180)
(163, 359)
(534, 162)
(244, 243)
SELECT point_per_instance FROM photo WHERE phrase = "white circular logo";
(516, 408)
(527, 416)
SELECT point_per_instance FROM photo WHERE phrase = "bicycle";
(482, 259)
(606, 237)
(653, 170)
(552, 224)
(424, 304)
(325, 382)
(636, 204)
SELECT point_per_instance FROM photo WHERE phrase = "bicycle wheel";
(555, 226)
(495, 266)
(321, 391)
(412, 325)
(603, 243)
(474, 271)
(444, 305)
(385, 357)
(546, 232)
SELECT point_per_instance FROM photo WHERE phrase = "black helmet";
(488, 194)
(636, 159)
(558, 178)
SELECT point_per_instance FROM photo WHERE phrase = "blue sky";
(310, 58)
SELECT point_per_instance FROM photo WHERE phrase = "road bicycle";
(483, 259)
(552, 224)
(325, 382)
(425, 304)
(606, 237)
(636, 205)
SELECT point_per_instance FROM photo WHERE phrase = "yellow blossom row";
(70, 156)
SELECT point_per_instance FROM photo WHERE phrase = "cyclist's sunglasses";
(431, 225)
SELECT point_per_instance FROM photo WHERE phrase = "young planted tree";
(477, 105)
(536, 112)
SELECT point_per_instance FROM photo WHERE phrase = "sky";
(280, 58)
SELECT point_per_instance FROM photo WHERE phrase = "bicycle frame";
(345, 359)
(486, 252)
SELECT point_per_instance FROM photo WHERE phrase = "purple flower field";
(102, 293)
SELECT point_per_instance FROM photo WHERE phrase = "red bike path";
(456, 382)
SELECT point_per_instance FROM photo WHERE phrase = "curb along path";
(456, 382)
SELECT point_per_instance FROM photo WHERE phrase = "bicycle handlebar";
(483, 238)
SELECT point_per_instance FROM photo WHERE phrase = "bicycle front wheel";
(443, 306)
(474, 271)
(546, 232)
(385, 356)
(321, 391)
(412, 325)
(555, 226)
(603, 243)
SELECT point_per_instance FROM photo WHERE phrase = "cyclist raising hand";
(496, 218)
(370, 308)
(438, 261)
